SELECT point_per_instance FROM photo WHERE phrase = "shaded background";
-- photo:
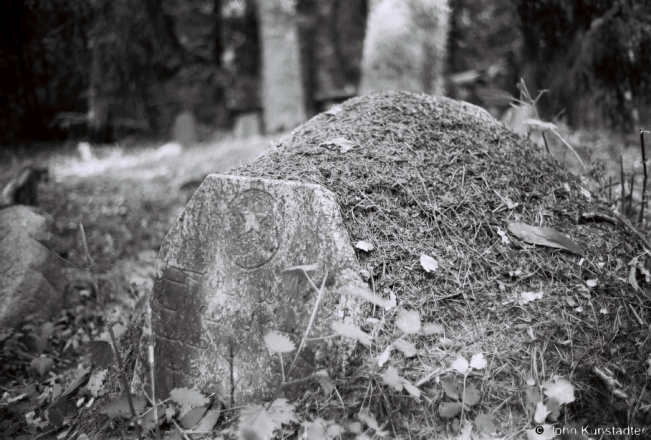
(103, 70)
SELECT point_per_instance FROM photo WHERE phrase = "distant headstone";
(185, 129)
(85, 151)
(31, 279)
(219, 288)
(405, 47)
(247, 125)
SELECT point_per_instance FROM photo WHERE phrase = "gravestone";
(31, 278)
(405, 47)
(219, 288)
(247, 125)
(185, 129)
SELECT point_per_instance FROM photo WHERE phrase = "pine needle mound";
(434, 176)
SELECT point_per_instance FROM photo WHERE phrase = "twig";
(643, 202)
(594, 216)
(622, 181)
(118, 356)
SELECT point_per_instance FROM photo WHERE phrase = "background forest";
(103, 70)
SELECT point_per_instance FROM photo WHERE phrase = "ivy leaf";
(278, 343)
(189, 397)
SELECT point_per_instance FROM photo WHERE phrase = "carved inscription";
(177, 320)
(252, 229)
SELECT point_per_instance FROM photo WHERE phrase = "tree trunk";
(283, 99)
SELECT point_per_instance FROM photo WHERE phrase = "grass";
(422, 180)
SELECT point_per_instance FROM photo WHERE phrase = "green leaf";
(189, 397)
(408, 321)
(447, 410)
(451, 387)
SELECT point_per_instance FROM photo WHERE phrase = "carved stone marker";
(219, 288)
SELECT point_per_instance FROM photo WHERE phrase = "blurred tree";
(43, 57)
(283, 98)
(594, 56)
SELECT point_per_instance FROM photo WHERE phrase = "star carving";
(251, 221)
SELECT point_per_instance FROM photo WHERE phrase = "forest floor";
(127, 200)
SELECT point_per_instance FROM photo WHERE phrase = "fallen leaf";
(460, 365)
(560, 389)
(478, 361)
(351, 331)
(366, 247)
(428, 263)
(527, 297)
(407, 348)
(408, 321)
(447, 410)
(119, 407)
(189, 397)
(540, 414)
(343, 144)
(543, 236)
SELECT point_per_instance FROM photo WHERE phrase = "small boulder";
(31, 279)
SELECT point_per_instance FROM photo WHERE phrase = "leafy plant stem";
(307, 330)
(152, 365)
(643, 201)
(118, 357)
(463, 394)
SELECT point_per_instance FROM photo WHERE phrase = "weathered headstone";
(31, 279)
(219, 288)
(405, 46)
(185, 129)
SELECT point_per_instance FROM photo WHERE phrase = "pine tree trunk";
(283, 99)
